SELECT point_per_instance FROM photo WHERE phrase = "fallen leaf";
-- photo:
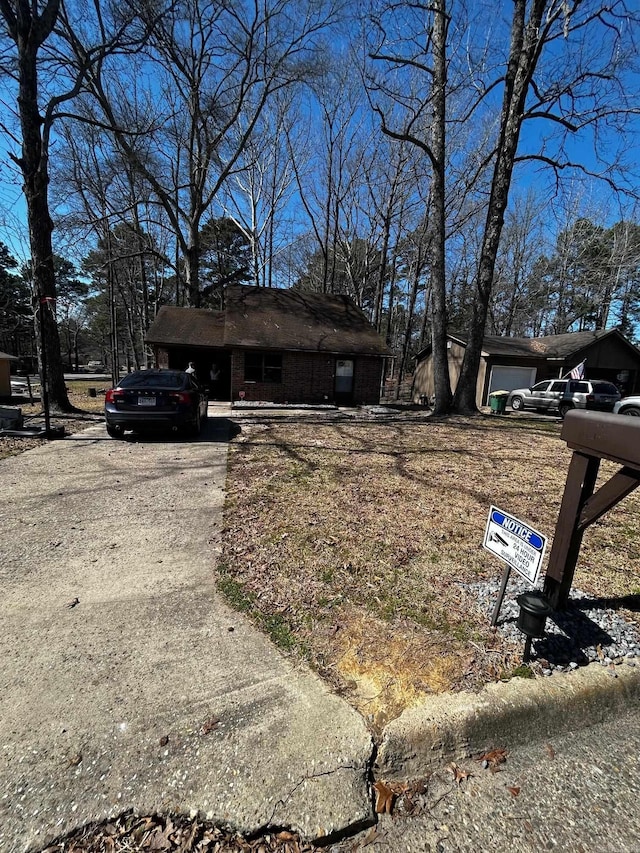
(186, 844)
(494, 757)
(370, 837)
(158, 839)
(550, 750)
(514, 791)
(285, 836)
(75, 760)
(142, 829)
(385, 797)
(459, 775)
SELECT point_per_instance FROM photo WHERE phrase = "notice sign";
(515, 542)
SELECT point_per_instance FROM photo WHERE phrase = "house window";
(262, 367)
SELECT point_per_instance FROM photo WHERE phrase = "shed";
(275, 345)
(509, 363)
(5, 373)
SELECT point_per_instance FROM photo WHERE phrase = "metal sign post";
(503, 586)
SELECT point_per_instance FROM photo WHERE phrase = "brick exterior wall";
(308, 378)
(367, 379)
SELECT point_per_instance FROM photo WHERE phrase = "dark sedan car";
(155, 399)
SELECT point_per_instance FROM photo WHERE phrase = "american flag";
(578, 371)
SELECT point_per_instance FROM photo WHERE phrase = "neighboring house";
(5, 373)
(509, 363)
(275, 345)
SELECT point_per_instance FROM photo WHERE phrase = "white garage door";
(507, 378)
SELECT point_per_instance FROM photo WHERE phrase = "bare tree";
(580, 50)
(325, 166)
(29, 28)
(563, 71)
(512, 304)
(258, 196)
(40, 33)
(215, 67)
(107, 201)
(416, 81)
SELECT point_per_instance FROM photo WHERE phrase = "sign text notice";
(515, 542)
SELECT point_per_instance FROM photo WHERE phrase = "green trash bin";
(498, 402)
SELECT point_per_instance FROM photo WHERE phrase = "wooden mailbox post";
(592, 436)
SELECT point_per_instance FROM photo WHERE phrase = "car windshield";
(151, 379)
(604, 388)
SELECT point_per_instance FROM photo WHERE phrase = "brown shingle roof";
(270, 318)
(298, 320)
(191, 327)
(549, 346)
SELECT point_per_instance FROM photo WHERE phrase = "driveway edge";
(504, 714)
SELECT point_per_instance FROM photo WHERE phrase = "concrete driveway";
(149, 693)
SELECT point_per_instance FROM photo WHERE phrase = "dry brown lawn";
(347, 539)
(89, 411)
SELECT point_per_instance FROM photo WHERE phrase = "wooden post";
(593, 437)
(581, 480)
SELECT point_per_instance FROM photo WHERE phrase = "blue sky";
(588, 196)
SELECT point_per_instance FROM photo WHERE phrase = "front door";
(344, 381)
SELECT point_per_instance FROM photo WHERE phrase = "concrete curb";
(456, 726)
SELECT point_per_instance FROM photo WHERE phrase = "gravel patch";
(589, 630)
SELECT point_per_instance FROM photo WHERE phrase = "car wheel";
(115, 431)
(563, 408)
(634, 411)
(517, 404)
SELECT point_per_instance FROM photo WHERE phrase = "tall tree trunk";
(192, 273)
(418, 270)
(406, 341)
(522, 60)
(144, 285)
(34, 166)
(442, 382)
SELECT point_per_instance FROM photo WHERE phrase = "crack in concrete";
(343, 832)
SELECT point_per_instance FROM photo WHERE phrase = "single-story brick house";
(275, 345)
(509, 363)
